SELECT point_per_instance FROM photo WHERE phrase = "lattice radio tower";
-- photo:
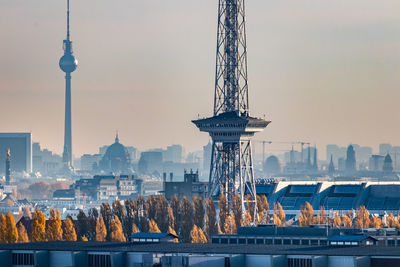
(231, 126)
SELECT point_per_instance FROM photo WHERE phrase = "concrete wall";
(341, 261)
(5, 258)
(211, 261)
(60, 258)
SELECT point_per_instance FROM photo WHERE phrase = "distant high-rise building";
(315, 161)
(350, 159)
(151, 162)
(388, 164)
(90, 162)
(376, 163)
(21, 147)
(207, 157)
(173, 153)
(331, 168)
(384, 149)
(341, 164)
(68, 64)
(8, 167)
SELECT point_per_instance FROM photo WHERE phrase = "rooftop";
(206, 248)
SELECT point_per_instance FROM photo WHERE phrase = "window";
(299, 262)
(23, 259)
(215, 241)
(224, 240)
(390, 242)
(233, 241)
(268, 241)
(250, 241)
(286, 241)
(296, 242)
(305, 242)
(314, 242)
(260, 241)
(242, 241)
(278, 241)
(333, 243)
(354, 243)
(322, 242)
(99, 260)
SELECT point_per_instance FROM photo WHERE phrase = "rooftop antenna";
(68, 20)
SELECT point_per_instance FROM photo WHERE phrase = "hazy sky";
(323, 71)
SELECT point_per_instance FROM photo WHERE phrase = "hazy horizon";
(326, 72)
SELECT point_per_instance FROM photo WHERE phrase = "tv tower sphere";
(68, 63)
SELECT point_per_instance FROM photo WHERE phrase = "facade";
(103, 254)
(90, 162)
(102, 188)
(350, 159)
(21, 151)
(189, 187)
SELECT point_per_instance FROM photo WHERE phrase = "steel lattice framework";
(231, 127)
(231, 90)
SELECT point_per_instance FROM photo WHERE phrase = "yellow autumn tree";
(362, 217)
(347, 220)
(12, 232)
(84, 238)
(69, 233)
(247, 219)
(276, 220)
(3, 229)
(306, 216)
(391, 221)
(376, 222)
(22, 234)
(336, 220)
(230, 225)
(197, 235)
(153, 227)
(172, 231)
(280, 214)
(135, 229)
(117, 234)
(38, 227)
(101, 231)
(54, 230)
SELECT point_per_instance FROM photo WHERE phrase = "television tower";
(231, 126)
(68, 64)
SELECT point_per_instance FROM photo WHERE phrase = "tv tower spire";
(68, 64)
(231, 126)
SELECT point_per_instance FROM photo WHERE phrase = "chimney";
(171, 176)
(164, 177)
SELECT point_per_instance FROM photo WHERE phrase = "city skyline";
(307, 75)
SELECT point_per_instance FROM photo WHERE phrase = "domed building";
(272, 165)
(116, 159)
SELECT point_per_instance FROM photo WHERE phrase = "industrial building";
(189, 187)
(102, 254)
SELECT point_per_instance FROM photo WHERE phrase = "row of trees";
(362, 218)
(192, 221)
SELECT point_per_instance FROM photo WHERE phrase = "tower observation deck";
(68, 64)
(231, 126)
